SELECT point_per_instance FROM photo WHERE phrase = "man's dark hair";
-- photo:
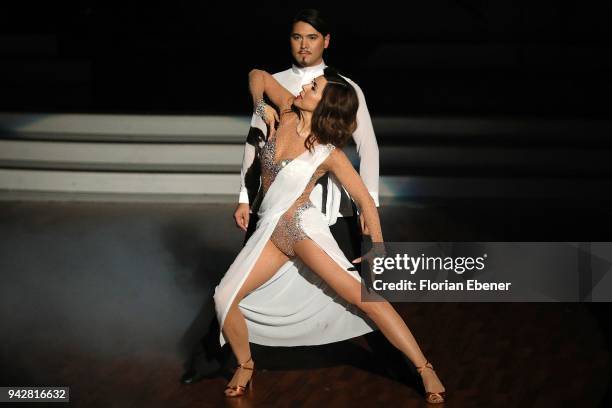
(312, 17)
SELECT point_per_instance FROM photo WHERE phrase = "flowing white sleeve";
(367, 146)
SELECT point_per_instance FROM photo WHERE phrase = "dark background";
(435, 57)
(465, 58)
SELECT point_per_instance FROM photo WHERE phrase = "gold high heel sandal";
(432, 397)
(241, 389)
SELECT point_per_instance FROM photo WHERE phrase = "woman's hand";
(270, 117)
(364, 227)
(378, 250)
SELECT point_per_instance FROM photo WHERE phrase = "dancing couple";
(291, 284)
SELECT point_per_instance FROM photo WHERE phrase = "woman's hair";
(312, 17)
(335, 118)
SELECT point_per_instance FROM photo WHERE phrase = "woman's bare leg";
(382, 313)
(234, 326)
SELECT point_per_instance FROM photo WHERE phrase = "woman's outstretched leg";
(382, 313)
(234, 327)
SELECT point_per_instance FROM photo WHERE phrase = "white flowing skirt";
(295, 307)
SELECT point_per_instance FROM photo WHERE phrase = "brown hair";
(335, 118)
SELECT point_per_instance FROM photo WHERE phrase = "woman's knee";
(237, 299)
(220, 303)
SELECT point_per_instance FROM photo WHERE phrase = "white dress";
(295, 307)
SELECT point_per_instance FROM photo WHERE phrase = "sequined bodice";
(270, 168)
(288, 230)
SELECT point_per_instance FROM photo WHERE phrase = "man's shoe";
(191, 376)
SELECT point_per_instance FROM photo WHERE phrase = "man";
(309, 38)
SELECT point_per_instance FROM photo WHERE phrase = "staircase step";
(128, 128)
(224, 187)
(118, 182)
(121, 156)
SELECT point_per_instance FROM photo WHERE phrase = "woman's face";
(311, 93)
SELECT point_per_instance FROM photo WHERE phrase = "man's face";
(307, 44)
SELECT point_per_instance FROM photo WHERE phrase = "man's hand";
(241, 216)
(364, 227)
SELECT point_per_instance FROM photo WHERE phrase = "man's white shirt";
(365, 140)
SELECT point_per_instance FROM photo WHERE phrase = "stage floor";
(111, 298)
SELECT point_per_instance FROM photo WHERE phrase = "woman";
(282, 289)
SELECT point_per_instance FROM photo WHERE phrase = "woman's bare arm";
(261, 82)
(346, 174)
